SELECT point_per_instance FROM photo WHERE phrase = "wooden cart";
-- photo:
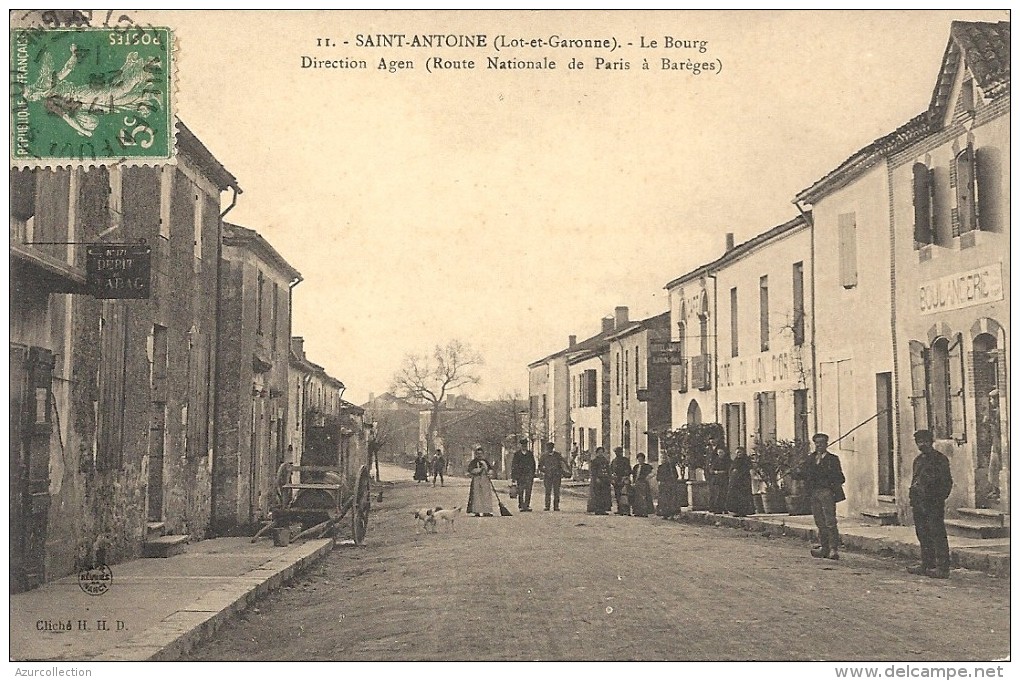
(318, 507)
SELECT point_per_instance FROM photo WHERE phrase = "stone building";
(639, 392)
(692, 307)
(764, 372)
(908, 240)
(112, 435)
(950, 236)
(253, 353)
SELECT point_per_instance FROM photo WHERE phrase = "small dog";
(448, 516)
(427, 516)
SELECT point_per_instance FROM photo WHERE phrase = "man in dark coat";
(620, 470)
(438, 468)
(823, 477)
(929, 489)
(553, 468)
(522, 472)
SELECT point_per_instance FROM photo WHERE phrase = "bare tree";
(429, 378)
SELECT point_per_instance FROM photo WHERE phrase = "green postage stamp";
(91, 95)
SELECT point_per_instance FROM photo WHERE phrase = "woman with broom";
(480, 494)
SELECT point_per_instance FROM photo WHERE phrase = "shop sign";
(965, 289)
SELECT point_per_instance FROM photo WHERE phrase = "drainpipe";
(213, 511)
(290, 331)
(814, 358)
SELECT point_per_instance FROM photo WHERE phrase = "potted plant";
(691, 442)
(772, 462)
(798, 503)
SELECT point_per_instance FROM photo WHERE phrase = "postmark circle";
(96, 581)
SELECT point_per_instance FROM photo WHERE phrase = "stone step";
(154, 530)
(165, 546)
(975, 529)
(988, 515)
(881, 517)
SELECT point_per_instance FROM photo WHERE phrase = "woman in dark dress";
(669, 488)
(421, 468)
(642, 504)
(600, 492)
(718, 477)
(738, 493)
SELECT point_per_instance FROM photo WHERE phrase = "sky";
(510, 209)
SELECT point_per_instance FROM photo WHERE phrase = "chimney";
(729, 241)
(371, 398)
(571, 341)
(607, 324)
(622, 315)
(297, 345)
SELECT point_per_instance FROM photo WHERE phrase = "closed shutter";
(922, 204)
(918, 384)
(848, 250)
(982, 218)
(957, 413)
(591, 381)
(768, 402)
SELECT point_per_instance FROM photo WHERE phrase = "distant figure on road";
(823, 477)
(522, 472)
(643, 506)
(670, 499)
(738, 490)
(620, 468)
(552, 467)
(480, 494)
(600, 499)
(929, 488)
(421, 468)
(438, 468)
(718, 476)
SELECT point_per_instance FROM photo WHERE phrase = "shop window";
(945, 388)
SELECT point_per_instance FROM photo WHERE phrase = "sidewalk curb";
(971, 558)
(181, 631)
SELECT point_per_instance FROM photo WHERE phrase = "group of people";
(729, 489)
(436, 467)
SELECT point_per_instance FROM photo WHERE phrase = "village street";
(570, 586)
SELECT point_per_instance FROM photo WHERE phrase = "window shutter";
(957, 410)
(592, 388)
(980, 161)
(922, 204)
(965, 198)
(919, 384)
(848, 250)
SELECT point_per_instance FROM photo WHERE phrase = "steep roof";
(985, 49)
(587, 344)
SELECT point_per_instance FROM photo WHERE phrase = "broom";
(503, 510)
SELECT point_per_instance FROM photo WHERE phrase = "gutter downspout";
(213, 511)
(290, 331)
(814, 358)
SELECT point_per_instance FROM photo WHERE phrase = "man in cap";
(553, 468)
(929, 488)
(522, 472)
(823, 477)
(621, 469)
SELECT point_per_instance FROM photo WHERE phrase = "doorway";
(988, 393)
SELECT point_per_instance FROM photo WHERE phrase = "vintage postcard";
(471, 336)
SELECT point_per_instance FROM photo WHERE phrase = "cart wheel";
(362, 506)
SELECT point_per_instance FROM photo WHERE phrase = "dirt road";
(570, 586)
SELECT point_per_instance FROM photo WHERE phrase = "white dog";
(448, 516)
(427, 516)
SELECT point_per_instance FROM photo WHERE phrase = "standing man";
(620, 469)
(823, 477)
(522, 472)
(552, 467)
(438, 468)
(929, 489)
